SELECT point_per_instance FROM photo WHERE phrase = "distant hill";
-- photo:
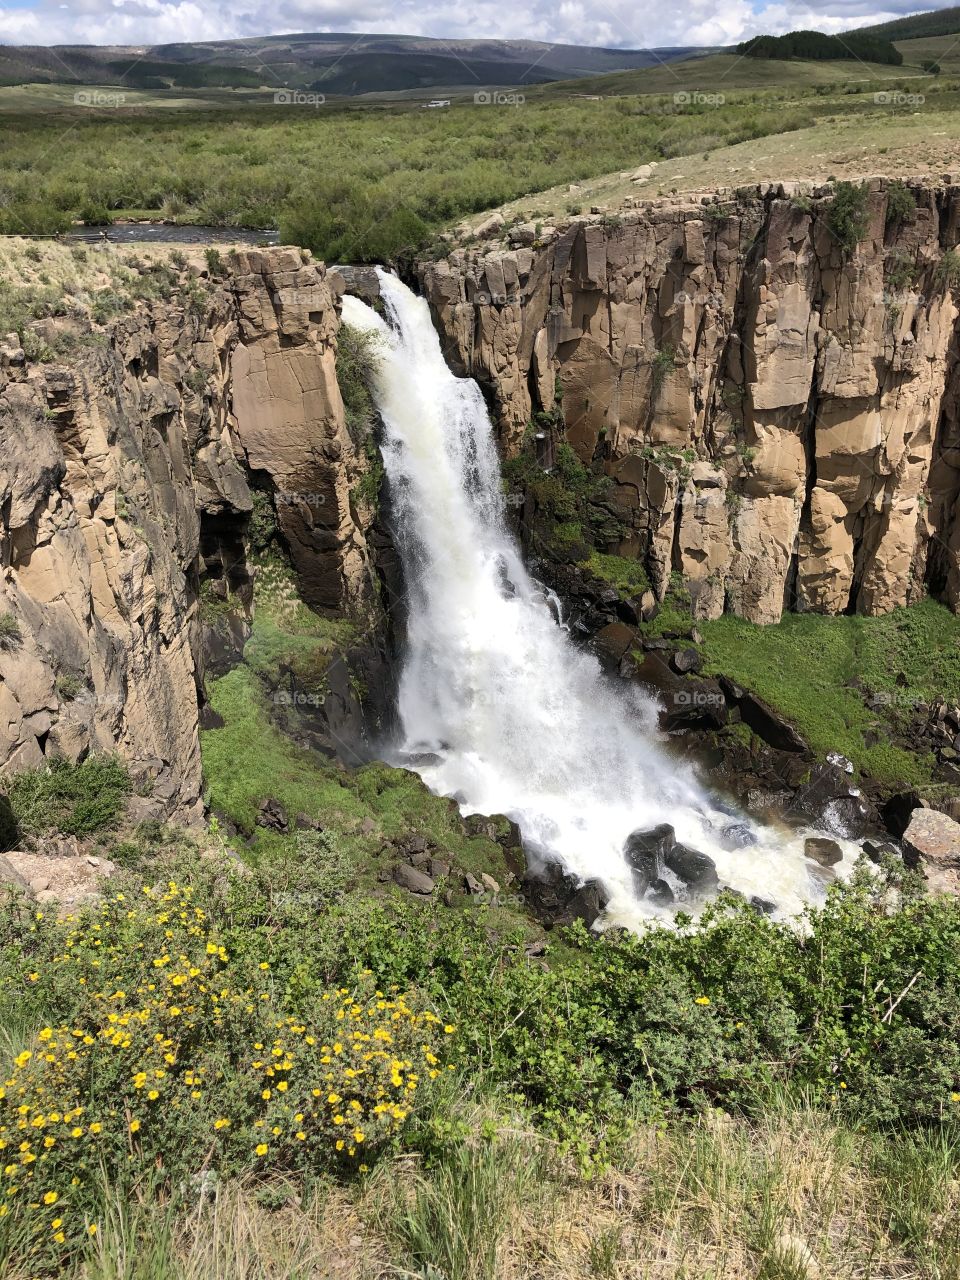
(324, 62)
(814, 46)
(936, 22)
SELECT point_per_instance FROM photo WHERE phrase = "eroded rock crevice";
(130, 479)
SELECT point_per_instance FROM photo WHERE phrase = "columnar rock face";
(777, 412)
(125, 494)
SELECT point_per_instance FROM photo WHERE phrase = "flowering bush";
(182, 1057)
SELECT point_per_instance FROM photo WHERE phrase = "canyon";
(772, 415)
(776, 410)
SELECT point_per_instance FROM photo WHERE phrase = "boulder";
(822, 851)
(684, 661)
(738, 835)
(646, 852)
(303, 822)
(615, 639)
(687, 703)
(272, 816)
(695, 869)
(932, 842)
(877, 850)
(555, 897)
(660, 894)
(766, 723)
(12, 878)
(412, 879)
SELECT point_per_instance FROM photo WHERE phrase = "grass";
(401, 175)
(627, 577)
(712, 1196)
(252, 758)
(76, 799)
(819, 672)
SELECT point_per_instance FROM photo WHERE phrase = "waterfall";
(497, 706)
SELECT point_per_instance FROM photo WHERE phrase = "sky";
(613, 23)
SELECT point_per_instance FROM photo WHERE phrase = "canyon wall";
(127, 483)
(776, 411)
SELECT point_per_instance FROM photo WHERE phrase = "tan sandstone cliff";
(125, 494)
(779, 417)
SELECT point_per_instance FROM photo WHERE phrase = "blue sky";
(616, 23)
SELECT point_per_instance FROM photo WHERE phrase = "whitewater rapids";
(509, 715)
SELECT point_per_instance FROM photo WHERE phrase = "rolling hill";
(323, 62)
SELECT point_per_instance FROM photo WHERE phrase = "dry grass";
(893, 141)
(789, 1197)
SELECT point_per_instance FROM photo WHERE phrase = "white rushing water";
(523, 722)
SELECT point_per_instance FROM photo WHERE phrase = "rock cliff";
(775, 409)
(128, 478)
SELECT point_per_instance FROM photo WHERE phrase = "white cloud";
(615, 23)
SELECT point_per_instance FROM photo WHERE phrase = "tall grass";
(352, 185)
(786, 1197)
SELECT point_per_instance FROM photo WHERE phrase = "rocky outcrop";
(777, 412)
(932, 843)
(127, 482)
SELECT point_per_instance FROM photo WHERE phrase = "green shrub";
(75, 799)
(660, 367)
(901, 202)
(263, 522)
(10, 635)
(214, 262)
(95, 215)
(948, 270)
(358, 357)
(168, 1044)
(847, 215)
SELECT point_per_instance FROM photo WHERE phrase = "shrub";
(901, 202)
(75, 799)
(358, 356)
(172, 1049)
(10, 635)
(95, 215)
(948, 270)
(847, 216)
(263, 522)
(660, 366)
(214, 262)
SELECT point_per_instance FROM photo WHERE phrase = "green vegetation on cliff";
(847, 682)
